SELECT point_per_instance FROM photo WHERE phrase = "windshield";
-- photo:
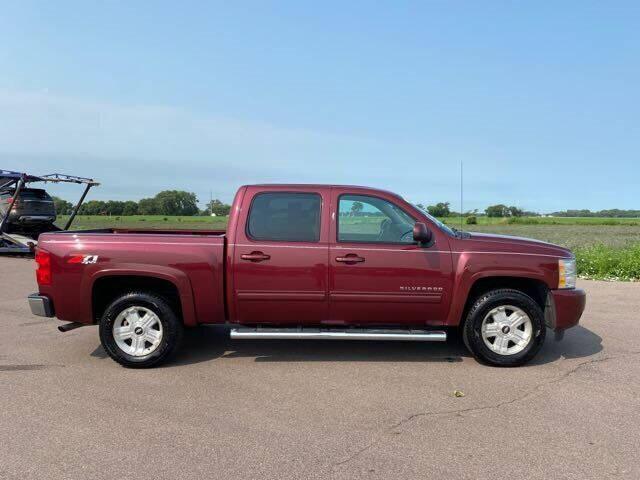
(442, 226)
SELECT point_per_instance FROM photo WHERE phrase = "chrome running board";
(338, 334)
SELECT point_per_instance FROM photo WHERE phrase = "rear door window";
(285, 217)
(34, 195)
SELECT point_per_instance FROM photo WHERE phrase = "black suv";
(33, 208)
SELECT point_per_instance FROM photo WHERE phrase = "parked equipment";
(27, 212)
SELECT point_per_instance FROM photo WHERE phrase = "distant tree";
(575, 213)
(499, 210)
(130, 208)
(356, 208)
(219, 208)
(528, 213)
(515, 212)
(439, 209)
(93, 207)
(62, 206)
(176, 202)
(148, 206)
(114, 207)
(617, 213)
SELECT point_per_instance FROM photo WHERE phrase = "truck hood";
(507, 243)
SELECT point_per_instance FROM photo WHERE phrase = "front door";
(279, 272)
(378, 275)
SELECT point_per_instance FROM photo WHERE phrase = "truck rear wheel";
(504, 328)
(140, 330)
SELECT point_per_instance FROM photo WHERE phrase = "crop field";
(455, 221)
(570, 236)
(606, 248)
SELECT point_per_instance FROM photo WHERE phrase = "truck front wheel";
(140, 330)
(504, 328)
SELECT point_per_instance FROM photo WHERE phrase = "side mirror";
(421, 233)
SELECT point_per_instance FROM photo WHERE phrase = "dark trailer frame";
(13, 243)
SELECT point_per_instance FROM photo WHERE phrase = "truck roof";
(322, 185)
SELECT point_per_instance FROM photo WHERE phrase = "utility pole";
(461, 194)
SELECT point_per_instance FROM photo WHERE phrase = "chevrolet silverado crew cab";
(310, 262)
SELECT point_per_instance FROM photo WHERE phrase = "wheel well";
(536, 289)
(107, 289)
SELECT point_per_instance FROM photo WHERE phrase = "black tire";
(172, 329)
(485, 303)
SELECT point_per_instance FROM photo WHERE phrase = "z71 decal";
(83, 259)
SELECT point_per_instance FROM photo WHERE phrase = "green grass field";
(606, 248)
(84, 222)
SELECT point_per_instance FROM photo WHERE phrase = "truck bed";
(85, 261)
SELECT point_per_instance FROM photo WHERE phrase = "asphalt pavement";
(318, 409)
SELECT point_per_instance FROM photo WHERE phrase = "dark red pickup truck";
(310, 261)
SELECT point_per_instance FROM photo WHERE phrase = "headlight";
(567, 273)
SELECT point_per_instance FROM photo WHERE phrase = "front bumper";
(40, 305)
(564, 308)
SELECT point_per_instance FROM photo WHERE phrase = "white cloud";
(137, 150)
(40, 123)
(123, 143)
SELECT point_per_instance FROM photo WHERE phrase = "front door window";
(368, 219)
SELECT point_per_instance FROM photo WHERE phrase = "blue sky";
(540, 100)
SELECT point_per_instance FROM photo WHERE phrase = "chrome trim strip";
(35, 217)
(354, 334)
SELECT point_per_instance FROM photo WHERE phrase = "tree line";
(167, 202)
(612, 213)
(442, 209)
(182, 203)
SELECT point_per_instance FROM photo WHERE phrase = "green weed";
(606, 263)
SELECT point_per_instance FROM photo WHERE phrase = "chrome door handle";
(255, 256)
(350, 259)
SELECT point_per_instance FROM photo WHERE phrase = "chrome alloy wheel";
(137, 331)
(507, 330)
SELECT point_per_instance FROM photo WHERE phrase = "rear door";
(378, 275)
(279, 260)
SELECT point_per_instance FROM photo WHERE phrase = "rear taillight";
(43, 267)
